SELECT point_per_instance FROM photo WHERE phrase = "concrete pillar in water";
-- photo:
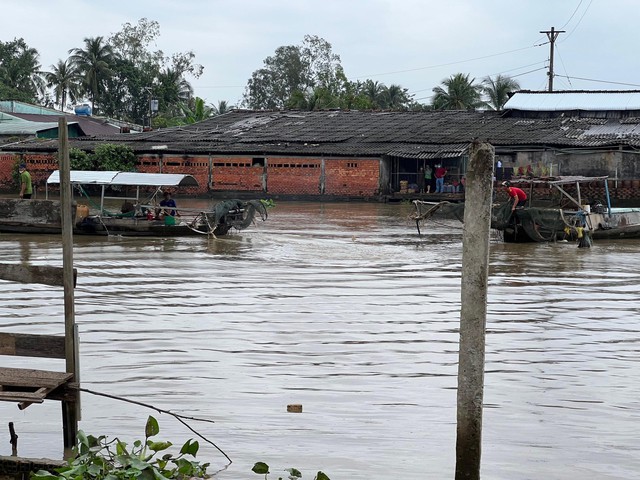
(473, 314)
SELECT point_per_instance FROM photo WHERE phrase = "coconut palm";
(173, 91)
(94, 65)
(393, 97)
(65, 81)
(458, 92)
(498, 90)
(373, 90)
(221, 108)
(20, 75)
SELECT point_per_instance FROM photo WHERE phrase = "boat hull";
(619, 224)
(44, 217)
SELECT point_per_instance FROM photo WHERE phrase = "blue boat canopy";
(87, 177)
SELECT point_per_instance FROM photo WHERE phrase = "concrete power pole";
(551, 35)
(473, 314)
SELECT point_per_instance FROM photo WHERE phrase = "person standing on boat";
(516, 194)
(169, 202)
(26, 187)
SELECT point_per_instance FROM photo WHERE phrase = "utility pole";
(551, 35)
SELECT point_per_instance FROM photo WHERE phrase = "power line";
(450, 63)
(572, 15)
(579, 21)
(602, 81)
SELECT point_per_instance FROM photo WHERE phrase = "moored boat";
(137, 216)
(573, 208)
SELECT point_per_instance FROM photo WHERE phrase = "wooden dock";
(26, 386)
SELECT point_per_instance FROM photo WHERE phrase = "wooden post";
(13, 440)
(475, 272)
(70, 410)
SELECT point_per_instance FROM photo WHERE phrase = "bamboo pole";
(475, 272)
(70, 410)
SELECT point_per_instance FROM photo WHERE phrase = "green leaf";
(293, 473)
(190, 447)
(260, 468)
(159, 446)
(152, 427)
(321, 476)
(44, 475)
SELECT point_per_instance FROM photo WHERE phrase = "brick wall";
(294, 176)
(39, 166)
(353, 177)
(236, 174)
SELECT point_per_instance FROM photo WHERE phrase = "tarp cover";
(126, 178)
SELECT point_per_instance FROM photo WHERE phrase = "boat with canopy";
(140, 213)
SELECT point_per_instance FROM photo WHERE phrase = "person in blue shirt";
(169, 202)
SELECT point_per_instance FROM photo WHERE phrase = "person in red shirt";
(516, 194)
(440, 174)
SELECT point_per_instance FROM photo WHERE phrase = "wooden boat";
(137, 216)
(571, 208)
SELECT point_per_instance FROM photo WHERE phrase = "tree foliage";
(498, 90)
(20, 77)
(64, 80)
(94, 64)
(294, 70)
(458, 92)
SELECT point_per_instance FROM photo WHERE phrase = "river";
(344, 309)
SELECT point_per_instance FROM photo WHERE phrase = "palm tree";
(499, 90)
(173, 91)
(393, 97)
(459, 93)
(20, 74)
(373, 90)
(94, 65)
(64, 80)
(221, 108)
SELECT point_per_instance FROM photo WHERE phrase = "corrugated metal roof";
(577, 100)
(10, 125)
(126, 178)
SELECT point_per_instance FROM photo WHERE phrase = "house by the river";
(369, 155)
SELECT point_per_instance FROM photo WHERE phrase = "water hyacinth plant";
(100, 459)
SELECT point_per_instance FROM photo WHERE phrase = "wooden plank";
(30, 397)
(34, 274)
(25, 378)
(28, 345)
(41, 392)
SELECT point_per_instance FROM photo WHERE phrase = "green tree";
(394, 97)
(221, 108)
(65, 82)
(20, 76)
(498, 90)
(80, 160)
(94, 63)
(457, 92)
(196, 111)
(109, 156)
(173, 91)
(294, 68)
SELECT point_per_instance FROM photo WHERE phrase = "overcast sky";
(413, 43)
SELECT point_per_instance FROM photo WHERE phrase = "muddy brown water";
(344, 309)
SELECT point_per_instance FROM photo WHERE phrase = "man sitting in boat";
(167, 201)
(516, 194)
